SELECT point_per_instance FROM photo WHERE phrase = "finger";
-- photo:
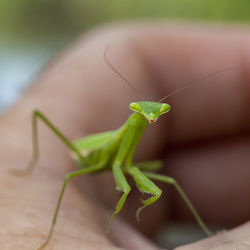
(69, 93)
(82, 95)
(215, 176)
(237, 238)
(124, 232)
(216, 107)
(75, 81)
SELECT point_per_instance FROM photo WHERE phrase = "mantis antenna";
(120, 75)
(172, 93)
(196, 82)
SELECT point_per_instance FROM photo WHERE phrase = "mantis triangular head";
(150, 110)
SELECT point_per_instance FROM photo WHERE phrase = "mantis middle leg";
(151, 166)
(173, 182)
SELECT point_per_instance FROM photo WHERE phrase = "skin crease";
(204, 138)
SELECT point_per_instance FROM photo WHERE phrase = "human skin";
(204, 138)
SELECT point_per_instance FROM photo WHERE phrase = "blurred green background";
(32, 31)
(52, 18)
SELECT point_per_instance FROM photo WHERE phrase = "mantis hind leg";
(145, 185)
(173, 182)
(35, 155)
(69, 176)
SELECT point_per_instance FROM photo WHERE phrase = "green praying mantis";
(114, 151)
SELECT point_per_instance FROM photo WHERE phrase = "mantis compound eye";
(165, 108)
(135, 107)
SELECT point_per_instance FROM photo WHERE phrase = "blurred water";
(18, 66)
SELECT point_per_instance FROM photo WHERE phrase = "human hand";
(158, 59)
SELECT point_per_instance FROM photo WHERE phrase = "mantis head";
(150, 110)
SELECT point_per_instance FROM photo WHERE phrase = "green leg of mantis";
(121, 185)
(172, 181)
(69, 176)
(35, 154)
(124, 152)
(151, 166)
(145, 185)
(38, 115)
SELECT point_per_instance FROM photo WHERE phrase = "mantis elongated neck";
(136, 125)
(138, 121)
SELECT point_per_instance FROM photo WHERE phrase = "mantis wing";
(87, 144)
(94, 141)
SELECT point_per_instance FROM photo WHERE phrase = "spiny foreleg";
(145, 185)
(121, 185)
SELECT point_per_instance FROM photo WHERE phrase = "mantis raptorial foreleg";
(145, 185)
(121, 185)
(120, 179)
(69, 176)
(35, 143)
(172, 181)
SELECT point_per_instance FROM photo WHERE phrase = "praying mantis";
(114, 151)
